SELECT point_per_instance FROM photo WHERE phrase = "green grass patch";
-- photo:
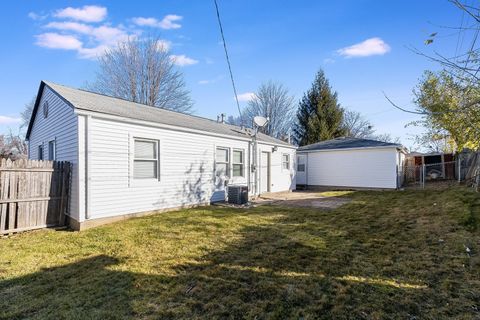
(389, 254)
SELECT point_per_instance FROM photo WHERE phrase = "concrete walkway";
(307, 199)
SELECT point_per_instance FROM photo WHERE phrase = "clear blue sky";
(268, 40)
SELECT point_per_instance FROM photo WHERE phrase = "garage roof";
(347, 143)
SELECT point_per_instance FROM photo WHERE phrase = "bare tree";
(386, 137)
(464, 63)
(27, 113)
(433, 140)
(356, 125)
(143, 71)
(236, 121)
(12, 147)
(272, 100)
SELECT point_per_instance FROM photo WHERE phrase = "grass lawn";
(384, 255)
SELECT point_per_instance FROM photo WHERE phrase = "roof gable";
(36, 106)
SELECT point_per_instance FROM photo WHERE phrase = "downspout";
(249, 175)
(255, 162)
(87, 179)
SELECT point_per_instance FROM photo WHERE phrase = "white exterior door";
(264, 172)
(302, 169)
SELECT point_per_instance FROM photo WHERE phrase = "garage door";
(364, 168)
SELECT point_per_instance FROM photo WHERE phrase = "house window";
(45, 109)
(40, 152)
(51, 150)
(238, 163)
(145, 160)
(301, 167)
(222, 162)
(286, 161)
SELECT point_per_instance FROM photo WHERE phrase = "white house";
(350, 162)
(130, 158)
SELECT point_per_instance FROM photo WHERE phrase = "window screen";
(286, 161)
(51, 150)
(238, 163)
(222, 162)
(40, 152)
(145, 162)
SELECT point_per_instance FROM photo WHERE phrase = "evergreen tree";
(319, 115)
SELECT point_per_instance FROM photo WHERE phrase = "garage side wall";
(361, 168)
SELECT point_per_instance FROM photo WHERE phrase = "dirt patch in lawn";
(306, 199)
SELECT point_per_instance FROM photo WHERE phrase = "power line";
(228, 60)
(459, 33)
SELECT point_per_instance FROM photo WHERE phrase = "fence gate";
(33, 194)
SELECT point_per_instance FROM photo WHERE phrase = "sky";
(363, 47)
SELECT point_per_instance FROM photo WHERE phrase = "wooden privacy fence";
(33, 194)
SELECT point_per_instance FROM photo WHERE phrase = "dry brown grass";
(383, 255)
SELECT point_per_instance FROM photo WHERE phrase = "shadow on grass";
(298, 265)
(85, 289)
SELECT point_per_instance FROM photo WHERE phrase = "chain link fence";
(464, 169)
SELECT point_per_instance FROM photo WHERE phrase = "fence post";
(459, 168)
(423, 176)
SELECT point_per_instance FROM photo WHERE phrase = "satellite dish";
(260, 121)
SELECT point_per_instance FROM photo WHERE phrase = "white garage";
(351, 163)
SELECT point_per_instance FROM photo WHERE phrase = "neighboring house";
(350, 162)
(130, 158)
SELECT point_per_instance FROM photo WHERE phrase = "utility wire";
(228, 60)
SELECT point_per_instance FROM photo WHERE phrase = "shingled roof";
(347, 143)
(90, 101)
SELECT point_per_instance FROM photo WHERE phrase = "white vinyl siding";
(238, 163)
(102, 153)
(187, 169)
(60, 126)
(360, 168)
(280, 179)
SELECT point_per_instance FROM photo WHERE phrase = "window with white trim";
(51, 150)
(301, 163)
(40, 152)
(286, 161)
(222, 162)
(145, 159)
(238, 163)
